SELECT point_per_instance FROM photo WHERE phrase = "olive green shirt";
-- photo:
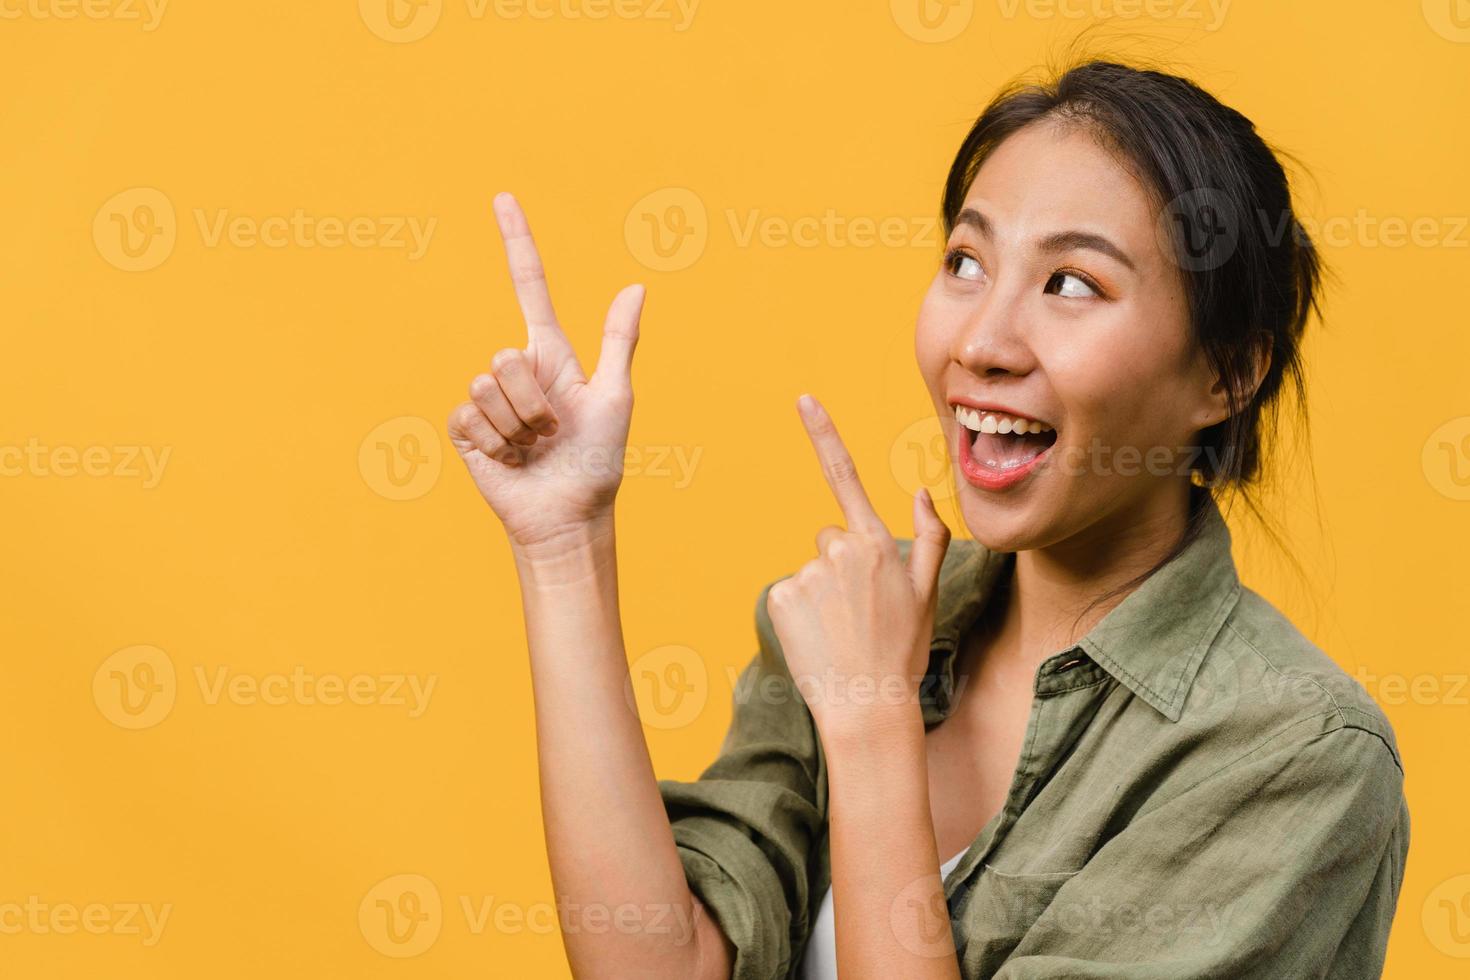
(1201, 792)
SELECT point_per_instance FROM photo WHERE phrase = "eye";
(1071, 285)
(962, 265)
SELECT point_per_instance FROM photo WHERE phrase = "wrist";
(872, 732)
(565, 554)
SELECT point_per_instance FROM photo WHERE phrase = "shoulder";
(1286, 688)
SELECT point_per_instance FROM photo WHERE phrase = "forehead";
(1052, 176)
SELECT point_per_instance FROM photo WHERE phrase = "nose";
(993, 340)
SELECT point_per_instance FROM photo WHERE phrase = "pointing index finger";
(526, 271)
(838, 467)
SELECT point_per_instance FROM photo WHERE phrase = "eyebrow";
(1061, 241)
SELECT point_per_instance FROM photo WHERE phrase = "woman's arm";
(856, 623)
(545, 445)
(887, 893)
(611, 848)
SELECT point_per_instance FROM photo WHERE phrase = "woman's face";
(1057, 302)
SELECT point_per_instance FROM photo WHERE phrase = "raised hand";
(855, 622)
(543, 442)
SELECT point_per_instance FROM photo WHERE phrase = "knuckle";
(506, 359)
(482, 386)
(490, 444)
(841, 470)
(526, 269)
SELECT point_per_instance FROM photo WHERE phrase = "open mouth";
(1002, 442)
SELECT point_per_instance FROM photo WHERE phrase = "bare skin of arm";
(858, 614)
(538, 436)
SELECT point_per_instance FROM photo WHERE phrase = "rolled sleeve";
(746, 829)
(1287, 863)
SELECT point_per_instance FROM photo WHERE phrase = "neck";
(1047, 604)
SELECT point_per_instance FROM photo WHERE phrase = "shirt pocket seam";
(1029, 875)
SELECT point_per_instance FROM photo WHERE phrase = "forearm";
(627, 908)
(888, 897)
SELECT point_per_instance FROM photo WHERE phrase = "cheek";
(932, 342)
(1121, 376)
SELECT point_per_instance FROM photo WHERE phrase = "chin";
(1005, 522)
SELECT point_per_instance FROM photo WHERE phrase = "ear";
(1216, 408)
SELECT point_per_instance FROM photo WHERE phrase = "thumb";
(931, 540)
(619, 337)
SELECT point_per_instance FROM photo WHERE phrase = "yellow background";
(281, 381)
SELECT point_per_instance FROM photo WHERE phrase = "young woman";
(1076, 746)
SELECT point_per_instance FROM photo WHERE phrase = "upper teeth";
(987, 421)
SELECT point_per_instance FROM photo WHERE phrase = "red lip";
(983, 476)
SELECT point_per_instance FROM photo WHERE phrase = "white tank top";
(819, 962)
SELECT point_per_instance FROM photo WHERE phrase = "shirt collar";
(1153, 641)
